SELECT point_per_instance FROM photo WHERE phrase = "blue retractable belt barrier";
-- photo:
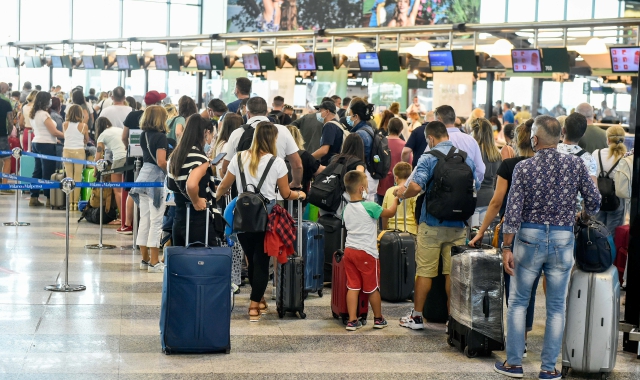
(56, 158)
(56, 185)
(30, 186)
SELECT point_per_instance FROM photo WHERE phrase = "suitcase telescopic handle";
(298, 222)
(186, 239)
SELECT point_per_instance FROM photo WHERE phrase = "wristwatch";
(509, 247)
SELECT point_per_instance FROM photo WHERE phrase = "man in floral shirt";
(540, 214)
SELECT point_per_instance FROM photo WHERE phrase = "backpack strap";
(604, 173)
(243, 180)
(266, 171)
(580, 153)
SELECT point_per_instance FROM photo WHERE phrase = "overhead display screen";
(203, 62)
(389, 60)
(625, 59)
(324, 60)
(369, 62)
(251, 62)
(56, 62)
(464, 61)
(441, 61)
(267, 61)
(306, 61)
(87, 60)
(526, 61)
(556, 60)
(98, 62)
(123, 62)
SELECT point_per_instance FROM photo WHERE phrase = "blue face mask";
(350, 121)
(207, 148)
(319, 117)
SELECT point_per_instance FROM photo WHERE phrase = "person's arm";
(406, 154)
(99, 150)
(360, 168)
(161, 156)
(52, 127)
(179, 131)
(414, 13)
(193, 186)
(296, 169)
(297, 122)
(321, 152)
(493, 210)
(391, 211)
(285, 191)
(380, 13)
(320, 170)
(480, 167)
(225, 185)
(513, 218)
(223, 170)
(125, 136)
(385, 204)
(21, 121)
(86, 134)
(589, 191)
(85, 116)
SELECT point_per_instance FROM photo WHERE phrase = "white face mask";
(364, 194)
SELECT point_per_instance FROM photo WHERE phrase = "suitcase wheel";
(603, 376)
(565, 371)
(470, 353)
(335, 316)
(320, 293)
(227, 351)
(280, 312)
(302, 315)
(450, 342)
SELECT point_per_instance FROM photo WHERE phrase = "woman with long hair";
(25, 122)
(78, 98)
(508, 150)
(186, 108)
(44, 142)
(498, 205)
(76, 136)
(230, 123)
(395, 147)
(191, 179)
(607, 161)
(384, 122)
(310, 166)
(395, 109)
(483, 133)
(110, 138)
(151, 200)
(254, 163)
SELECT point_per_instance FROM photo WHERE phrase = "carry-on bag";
(397, 251)
(595, 250)
(313, 255)
(195, 314)
(475, 324)
(57, 198)
(339, 288)
(591, 328)
(332, 241)
(290, 284)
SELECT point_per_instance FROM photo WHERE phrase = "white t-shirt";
(41, 132)
(116, 115)
(607, 161)
(285, 144)
(112, 140)
(26, 110)
(268, 189)
(361, 221)
(104, 103)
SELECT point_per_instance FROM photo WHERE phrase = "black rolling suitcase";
(332, 241)
(290, 284)
(475, 324)
(397, 251)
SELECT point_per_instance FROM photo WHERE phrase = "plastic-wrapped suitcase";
(476, 324)
(591, 328)
(397, 252)
(313, 256)
(290, 284)
(332, 241)
(195, 314)
(57, 198)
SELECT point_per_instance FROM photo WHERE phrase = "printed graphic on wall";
(276, 15)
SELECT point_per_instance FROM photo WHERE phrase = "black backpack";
(250, 214)
(595, 250)
(278, 115)
(92, 215)
(328, 186)
(607, 188)
(246, 139)
(379, 162)
(453, 196)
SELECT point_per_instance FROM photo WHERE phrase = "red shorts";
(363, 270)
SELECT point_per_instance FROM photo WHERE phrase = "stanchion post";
(17, 154)
(101, 165)
(67, 186)
(135, 206)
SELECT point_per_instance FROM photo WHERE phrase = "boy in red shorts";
(361, 251)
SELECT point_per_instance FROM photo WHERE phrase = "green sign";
(324, 61)
(267, 61)
(389, 60)
(555, 60)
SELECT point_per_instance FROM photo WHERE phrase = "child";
(401, 172)
(361, 251)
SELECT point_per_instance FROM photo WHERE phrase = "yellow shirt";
(412, 227)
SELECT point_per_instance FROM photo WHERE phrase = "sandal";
(264, 308)
(254, 318)
(115, 222)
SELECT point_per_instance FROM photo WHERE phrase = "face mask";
(50, 103)
(216, 118)
(494, 127)
(533, 145)
(350, 121)
(207, 148)
(364, 194)
(319, 117)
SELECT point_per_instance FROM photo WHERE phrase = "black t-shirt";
(506, 171)
(157, 140)
(309, 166)
(132, 121)
(418, 144)
(332, 135)
(5, 108)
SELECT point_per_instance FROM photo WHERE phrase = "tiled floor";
(110, 331)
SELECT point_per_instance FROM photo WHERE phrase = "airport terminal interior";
(98, 279)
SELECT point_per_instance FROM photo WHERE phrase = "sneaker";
(511, 371)
(354, 325)
(414, 323)
(126, 230)
(546, 375)
(35, 202)
(144, 265)
(379, 323)
(525, 350)
(158, 268)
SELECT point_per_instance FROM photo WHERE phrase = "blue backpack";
(595, 250)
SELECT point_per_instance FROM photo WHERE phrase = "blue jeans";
(550, 249)
(612, 219)
(43, 168)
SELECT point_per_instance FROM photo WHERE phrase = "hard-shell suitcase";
(339, 293)
(332, 241)
(195, 314)
(27, 166)
(397, 251)
(57, 198)
(591, 328)
(621, 240)
(85, 193)
(290, 284)
(476, 325)
(313, 256)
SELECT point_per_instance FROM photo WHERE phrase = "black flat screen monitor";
(556, 60)
(217, 61)
(526, 61)
(267, 61)
(98, 62)
(389, 60)
(369, 62)
(625, 59)
(464, 61)
(56, 62)
(87, 60)
(441, 61)
(324, 60)
(306, 61)
(251, 62)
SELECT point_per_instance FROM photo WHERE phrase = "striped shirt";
(178, 184)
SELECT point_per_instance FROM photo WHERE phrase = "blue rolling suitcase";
(27, 166)
(195, 315)
(313, 256)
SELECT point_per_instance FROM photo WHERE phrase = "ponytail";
(615, 140)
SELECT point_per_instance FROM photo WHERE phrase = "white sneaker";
(414, 323)
(158, 268)
(144, 265)
(524, 355)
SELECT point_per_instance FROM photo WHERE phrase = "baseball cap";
(153, 97)
(329, 106)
